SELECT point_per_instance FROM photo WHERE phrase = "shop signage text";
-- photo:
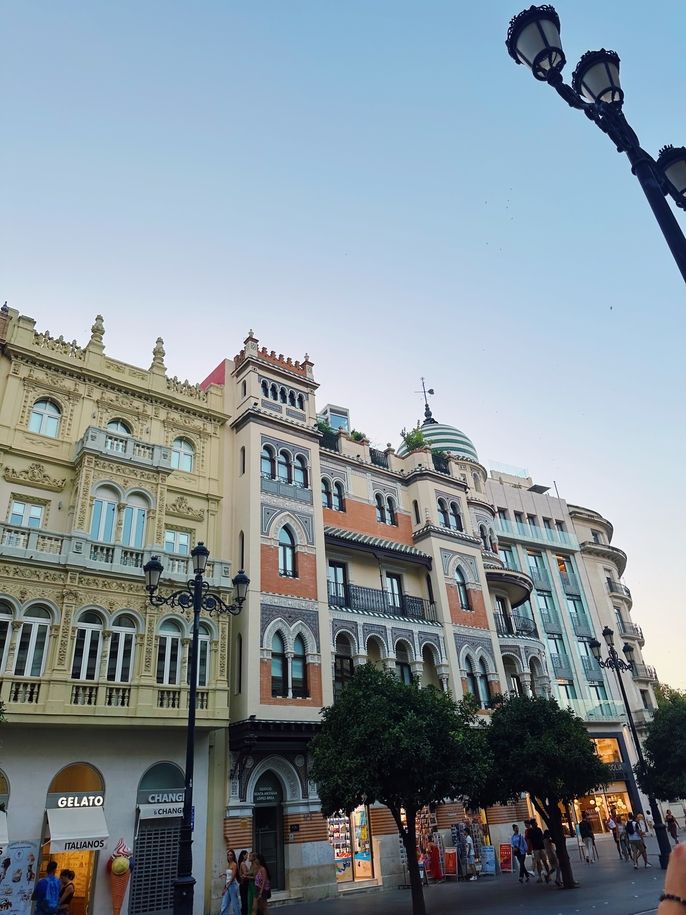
(161, 796)
(84, 844)
(76, 799)
(158, 811)
(266, 795)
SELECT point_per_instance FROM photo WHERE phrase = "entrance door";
(269, 842)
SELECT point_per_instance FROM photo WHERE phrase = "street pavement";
(606, 887)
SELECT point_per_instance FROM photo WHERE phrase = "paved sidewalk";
(609, 886)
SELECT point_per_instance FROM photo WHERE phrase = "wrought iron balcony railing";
(375, 600)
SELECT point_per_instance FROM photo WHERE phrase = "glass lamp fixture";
(199, 555)
(628, 652)
(153, 572)
(594, 645)
(608, 636)
(533, 38)
(672, 163)
(596, 78)
(241, 582)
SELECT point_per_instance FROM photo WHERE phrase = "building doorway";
(268, 826)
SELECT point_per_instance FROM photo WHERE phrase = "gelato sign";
(77, 799)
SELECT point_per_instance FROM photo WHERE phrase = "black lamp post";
(534, 39)
(197, 595)
(617, 664)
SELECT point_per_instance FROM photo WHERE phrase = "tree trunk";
(409, 836)
(558, 834)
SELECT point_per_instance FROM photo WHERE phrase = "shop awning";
(4, 835)
(80, 829)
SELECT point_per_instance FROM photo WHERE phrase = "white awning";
(77, 829)
(4, 835)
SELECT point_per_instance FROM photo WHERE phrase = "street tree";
(403, 746)
(535, 747)
(664, 748)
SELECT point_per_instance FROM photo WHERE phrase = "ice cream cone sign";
(120, 867)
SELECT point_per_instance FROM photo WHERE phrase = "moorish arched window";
(462, 592)
(286, 553)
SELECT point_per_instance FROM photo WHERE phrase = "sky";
(376, 183)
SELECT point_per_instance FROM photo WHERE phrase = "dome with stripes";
(440, 437)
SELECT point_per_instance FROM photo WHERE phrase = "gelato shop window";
(76, 830)
(352, 845)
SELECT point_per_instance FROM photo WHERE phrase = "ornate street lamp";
(615, 663)
(533, 39)
(197, 595)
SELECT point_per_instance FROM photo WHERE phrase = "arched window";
(265, 389)
(45, 418)
(183, 454)
(286, 553)
(443, 516)
(477, 481)
(343, 664)
(484, 694)
(204, 642)
(279, 687)
(291, 398)
(326, 493)
(380, 509)
(483, 533)
(118, 427)
(33, 643)
(133, 526)
(455, 517)
(430, 589)
(244, 388)
(472, 682)
(299, 669)
(5, 630)
(169, 654)
(285, 467)
(267, 463)
(120, 661)
(300, 472)
(391, 512)
(462, 590)
(402, 663)
(283, 397)
(415, 509)
(87, 646)
(301, 402)
(338, 497)
(241, 460)
(273, 392)
(104, 514)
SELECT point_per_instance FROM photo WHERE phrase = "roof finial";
(428, 416)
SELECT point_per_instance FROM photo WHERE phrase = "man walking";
(519, 850)
(46, 894)
(538, 851)
(586, 836)
(633, 834)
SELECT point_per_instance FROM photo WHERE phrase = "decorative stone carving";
(97, 333)
(34, 475)
(158, 355)
(180, 508)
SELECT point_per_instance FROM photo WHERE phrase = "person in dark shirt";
(538, 851)
(586, 836)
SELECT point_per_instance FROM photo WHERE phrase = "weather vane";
(428, 417)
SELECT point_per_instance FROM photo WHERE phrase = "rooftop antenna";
(428, 416)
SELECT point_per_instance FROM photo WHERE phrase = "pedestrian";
(527, 836)
(633, 834)
(538, 851)
(611, 824)
(623, 840)
(643, 830)
(586, 836)
(672, 826)
(519, 849)
(47, 891)
(66, 891)
(263, 889)
(469, 855)
(551, 855)
(231, 900)
(434, 854)
(243, 870)
(250, 874)
(649, 822)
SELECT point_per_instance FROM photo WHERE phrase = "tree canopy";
(665, 747)
(400, 745)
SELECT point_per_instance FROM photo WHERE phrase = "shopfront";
(350, 838)
(268, 838)
(618, 797)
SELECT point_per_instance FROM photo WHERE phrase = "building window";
(45, 418)
(285, 467)
(483, 533)
(244, 388)
(5, 630)
(443, 516)
(183, 455)
(120, 661)
(291, 398)
(104, 515)
(342, 665)
(169, 654)
(477, 481)
(242, 460)
(455, 519)
(204, 642)
(286, 553)
(560, 526)
(118, 427)
(265, 388)
(484, 694)
(462, 592)
(337, 581)
(566, 691)
(391, 514)
(402, 664)
(299, 669)
(596, 536)
(267, 463)
(415, 509)
(380, 509)
(326, 493)
(338, 498)
(502, 514)
(33, 643)
(283, 397)
(645, 699)
(301, 402)
(472, 682)
(241, 550)
(507, 557)
(300, 472)
(25, 514)
(278, 666)
(273, 392)
(394, 590)
(598, 692)
(87, 646)
(177, 542)
(133, 526)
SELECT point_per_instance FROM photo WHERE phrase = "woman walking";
(250, 877)
(672, 826)
(551, 855)
(243, 881)
(231, 903)
(263, 889)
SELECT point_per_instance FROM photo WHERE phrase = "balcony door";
(338, 581)
(394, 590)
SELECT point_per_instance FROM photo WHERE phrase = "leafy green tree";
(414, 438)
(400, 745)
(665, 747)
(536, 747)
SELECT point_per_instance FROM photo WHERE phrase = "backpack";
(630, 828)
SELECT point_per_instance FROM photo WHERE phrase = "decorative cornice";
(605, 551)
(181, 508)
(33, 475)
(446, 533)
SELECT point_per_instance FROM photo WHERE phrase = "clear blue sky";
(376, 183)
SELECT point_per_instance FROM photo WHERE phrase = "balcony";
(582, 625)
(551, 622)
(285, 490)
(616, 587)
(124, 448)
(519, 530)
(594, 710)
(644, 672)
(516, 626)
(378, 458)
(592, 669)
(630, 631)
(375, 600)
(540, 579)
(570, 583)
(330, 441)
(562, 667)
